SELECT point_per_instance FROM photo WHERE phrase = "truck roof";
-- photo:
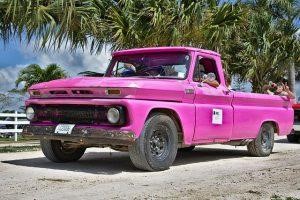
(163, 49)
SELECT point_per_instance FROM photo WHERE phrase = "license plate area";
(64, 129)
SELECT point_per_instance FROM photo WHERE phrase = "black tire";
(54, 151)
(293, 138)
(156, 148)
(186, 149)
(263, 145)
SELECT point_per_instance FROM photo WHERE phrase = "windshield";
(151, 65)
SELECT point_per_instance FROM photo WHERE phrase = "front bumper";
(82, 135)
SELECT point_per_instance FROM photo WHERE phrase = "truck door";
(214, 111)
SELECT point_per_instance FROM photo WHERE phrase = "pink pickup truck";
(151, 102)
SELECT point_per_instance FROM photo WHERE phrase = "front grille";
(58, 92)
(78, 114)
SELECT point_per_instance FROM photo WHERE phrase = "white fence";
(14, 119)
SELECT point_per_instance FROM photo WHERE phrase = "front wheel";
(264, 143)
(55, 151)
(156, 148)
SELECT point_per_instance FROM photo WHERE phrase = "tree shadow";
(109, 163)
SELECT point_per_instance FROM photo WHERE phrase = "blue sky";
(15, 55)
(11, 55)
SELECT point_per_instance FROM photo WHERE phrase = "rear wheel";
(156, 148)
(293, 138)
(264, 143)
(55, 151)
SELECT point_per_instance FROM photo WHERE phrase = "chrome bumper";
(83, 135)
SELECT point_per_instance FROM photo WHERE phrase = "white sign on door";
(217, 116)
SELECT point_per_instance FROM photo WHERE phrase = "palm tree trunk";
(292, 77)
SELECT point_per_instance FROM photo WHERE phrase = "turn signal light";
(112, 91)
(35, 93)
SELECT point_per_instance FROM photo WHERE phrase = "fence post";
(16, 126)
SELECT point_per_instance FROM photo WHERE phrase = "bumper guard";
(83, 135)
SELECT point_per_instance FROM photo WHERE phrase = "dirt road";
(209, 172)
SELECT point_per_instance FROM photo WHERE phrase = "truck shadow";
(285, 141)
(200, 154)
(116, 162)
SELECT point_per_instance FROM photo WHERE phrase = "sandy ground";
(209, 172)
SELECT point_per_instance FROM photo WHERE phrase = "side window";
(203, 67)
(197, 71)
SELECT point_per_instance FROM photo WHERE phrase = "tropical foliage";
(11, 101)
(4, 100)
(256, 37)
(268, 45)
(33, 74)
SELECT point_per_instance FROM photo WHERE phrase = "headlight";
(113, 115)
(29, 113)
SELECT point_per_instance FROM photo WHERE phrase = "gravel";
(209, 172)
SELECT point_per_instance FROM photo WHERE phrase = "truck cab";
(153, 102)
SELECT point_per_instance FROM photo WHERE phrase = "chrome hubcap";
(159, 142)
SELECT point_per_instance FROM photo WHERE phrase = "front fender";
(139, 110)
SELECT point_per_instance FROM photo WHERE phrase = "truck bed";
(252, 109)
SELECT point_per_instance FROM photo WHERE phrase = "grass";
(12, 139)
(13, 149)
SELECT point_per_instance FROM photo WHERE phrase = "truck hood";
(131, 87)
(84, 82)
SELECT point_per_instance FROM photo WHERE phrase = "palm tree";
(286, 13)
(289, 13)
(122, 24)
(264, 49)
(33, 74)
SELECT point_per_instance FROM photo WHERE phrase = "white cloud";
(72, 62)
(298, 33)
(8, 75)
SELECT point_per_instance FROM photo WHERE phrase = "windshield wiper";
(158, 77)
(91, 74)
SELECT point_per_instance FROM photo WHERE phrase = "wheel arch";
(174, 116)
(274, 123)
